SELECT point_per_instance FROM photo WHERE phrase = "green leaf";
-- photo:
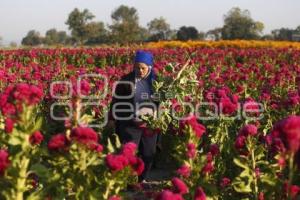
(39, 169)
(117, 140)
(241, 187)
(37, 125)
(268, 179)
(169, 68)
(15, 140)
(241, 164)
(110, 147)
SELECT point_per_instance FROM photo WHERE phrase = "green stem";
(106, 194)
(82, 161)
(291, 173)
(21, 181)
(254, 174)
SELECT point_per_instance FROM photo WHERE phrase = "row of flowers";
(229, 157)
(225, 43)
(72, 164)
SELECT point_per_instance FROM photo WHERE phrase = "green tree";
(283, 34)
(238, 24)
(214, 34)
(55, 37)
(201, 35)
(159, 29)
(62, 37)
(187, 33)
(32, 38)
(51, 37)
(298, 29)
(77, 22)
(97, 34)
(125, 25)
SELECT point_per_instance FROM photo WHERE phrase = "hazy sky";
(17, 17)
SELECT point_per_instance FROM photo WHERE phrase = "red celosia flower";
(214, 149)
(191, 150)
(168, 195)
(14, 96)
(199, 194)
(58, 142)
(129, 149)
(240, 142)
(9, 125)
(184, 171)
(261, 196)
(225, 182)
(179, 186)
(36, 138)
(191, 120)
(4, 161)
(251, 106)
(288, 131)
(115, 198)
(292, 189)
(248, 129)
(116, 162)
(209, 157)
(84, 135)
(208, 168)
(96, 147)
(81, 88)
(137, 165)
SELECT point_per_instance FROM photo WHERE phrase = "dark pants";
(146, 145)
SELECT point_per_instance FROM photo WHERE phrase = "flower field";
(229, 118)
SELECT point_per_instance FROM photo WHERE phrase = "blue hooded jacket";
(144, 85)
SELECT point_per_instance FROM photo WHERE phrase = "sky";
(17, 17)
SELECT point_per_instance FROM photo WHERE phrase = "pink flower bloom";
(115, 198)
(208, 168)
(116, 162)
(184, 171)
(168, 195)
(261, 196)
(225, 182)
(14, 96)
(288, 131)
(240, 142)
(96, 147)
(293, 189)
(199, 194)
(179, 186)
(249, 129)
(9, 125)
(191, 120)
(252, 107)
(209, 157)
(4, 161)
(137, 165)
(214, 149)
(36, 138)
(257, 172)
(84, 135)
(129, 149)
(281, 161)
(58, 142)
(191, 150)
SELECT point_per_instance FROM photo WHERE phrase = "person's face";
(142, 69)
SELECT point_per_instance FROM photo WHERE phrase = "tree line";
(125, 29)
